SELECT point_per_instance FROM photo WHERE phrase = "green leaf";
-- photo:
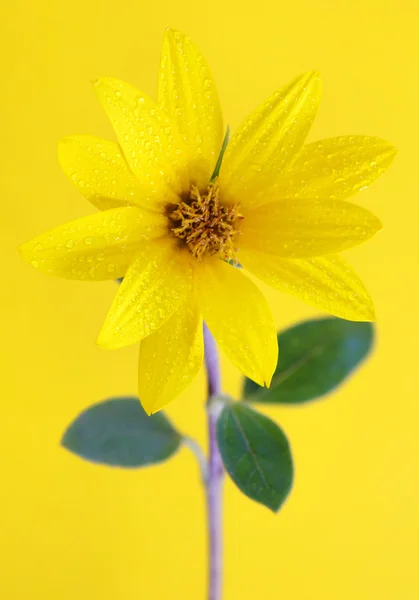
(233, 263)
(117, 432)
(314, 358)
(256, 454)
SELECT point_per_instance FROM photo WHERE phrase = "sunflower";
(180, 210)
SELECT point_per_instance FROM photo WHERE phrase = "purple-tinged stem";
(212, 364)
(215, 473)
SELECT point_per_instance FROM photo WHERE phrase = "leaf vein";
(249, 448)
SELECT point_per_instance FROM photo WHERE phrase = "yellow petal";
(150, 141)
(298, 228)
(269, 139)
(239, 318)
(335, 169)
(328, 283)
(170, 358)
(96, 247)
(158, 281)
(100, 172)
(188, 94)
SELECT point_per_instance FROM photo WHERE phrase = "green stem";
(221, 155)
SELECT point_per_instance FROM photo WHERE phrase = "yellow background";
(73, 530)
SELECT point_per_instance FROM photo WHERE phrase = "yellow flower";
(277, 207)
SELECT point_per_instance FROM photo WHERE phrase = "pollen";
(205, 225)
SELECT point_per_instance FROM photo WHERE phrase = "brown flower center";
(204, 224)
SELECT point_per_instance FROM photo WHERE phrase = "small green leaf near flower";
(256, 454)
(117, 432)
(315, 357)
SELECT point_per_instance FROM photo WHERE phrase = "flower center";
(204, 224)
